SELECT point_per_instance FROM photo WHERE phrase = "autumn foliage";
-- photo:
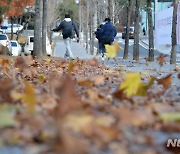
(15, 7)
(84, 107)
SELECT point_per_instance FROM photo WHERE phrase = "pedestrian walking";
(108, 33)
(144, 31)
(99, 37)
(68, 27)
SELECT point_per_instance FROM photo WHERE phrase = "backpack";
(69, 32)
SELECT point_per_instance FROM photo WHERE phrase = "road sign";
(4, 27)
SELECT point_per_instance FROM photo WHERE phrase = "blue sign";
(4, 27)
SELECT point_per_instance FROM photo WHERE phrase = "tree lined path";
(77, 49)
(53, 105)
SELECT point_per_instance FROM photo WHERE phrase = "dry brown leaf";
(5, 62)
(98, 80)
(166, 81)
(69, 143)
(85, 82)
(5, 90)
(21, 63)
(119, 94)
(161, 59)
(93, 62)
(178, 76)
(68, 99)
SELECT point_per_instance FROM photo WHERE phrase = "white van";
(28, 48)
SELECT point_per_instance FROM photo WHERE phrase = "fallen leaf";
(131, 83)
(143, 88)
(29, 97)
(68, 100)
(98, 80)
(20, 63)
(93, 62)
(161, 59)
(166, 81)
(70, 66)
(6, 119)
(85, 82)
(5, 62)
(170, 117)
(112, 50)
(48, 60)
(16, 95)
(119, 94)
(42, 78)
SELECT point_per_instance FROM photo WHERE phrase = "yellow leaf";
(15, 95)
(170, 117)
(6, 119)
(42, 78)
(29, 97)
(78, 122)
(131, 83)
(117, 46)
(143, 88)
(71, 65)
(48, 60)
(112, 50)
(121, 69)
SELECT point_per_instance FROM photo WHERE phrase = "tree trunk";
(12, 21)
(44, 27)
(129, 6)
(173, 35)
(110, 9)
(151, 34)
(37, 50)
(87, 24)
(136, 31)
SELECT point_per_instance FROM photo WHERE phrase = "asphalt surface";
(143, 49)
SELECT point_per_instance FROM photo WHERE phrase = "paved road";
(143, 49)
(77, 49)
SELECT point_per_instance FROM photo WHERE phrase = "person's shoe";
(66, 55)
(102, 58)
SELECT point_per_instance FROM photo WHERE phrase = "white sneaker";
(102, 58)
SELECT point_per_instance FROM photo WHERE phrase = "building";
(157, 5)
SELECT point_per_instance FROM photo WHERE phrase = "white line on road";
(144, 46)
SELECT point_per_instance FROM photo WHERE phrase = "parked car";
(16, 28)
(131, 33)
(4, 40)
(28, 48)
(16, 48)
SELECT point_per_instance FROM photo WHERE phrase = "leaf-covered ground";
(53, 106)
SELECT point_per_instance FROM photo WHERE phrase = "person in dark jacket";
(98, 36)
(108, 33)
(68, 27)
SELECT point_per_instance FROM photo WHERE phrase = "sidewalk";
(165, 49)
(77, 49)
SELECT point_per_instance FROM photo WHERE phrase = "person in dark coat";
(98, 36)
(68, 27)
(108, 33)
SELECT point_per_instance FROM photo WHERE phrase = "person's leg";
(101, 48)
(68, 47)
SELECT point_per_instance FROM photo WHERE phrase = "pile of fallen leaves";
(77, 107)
